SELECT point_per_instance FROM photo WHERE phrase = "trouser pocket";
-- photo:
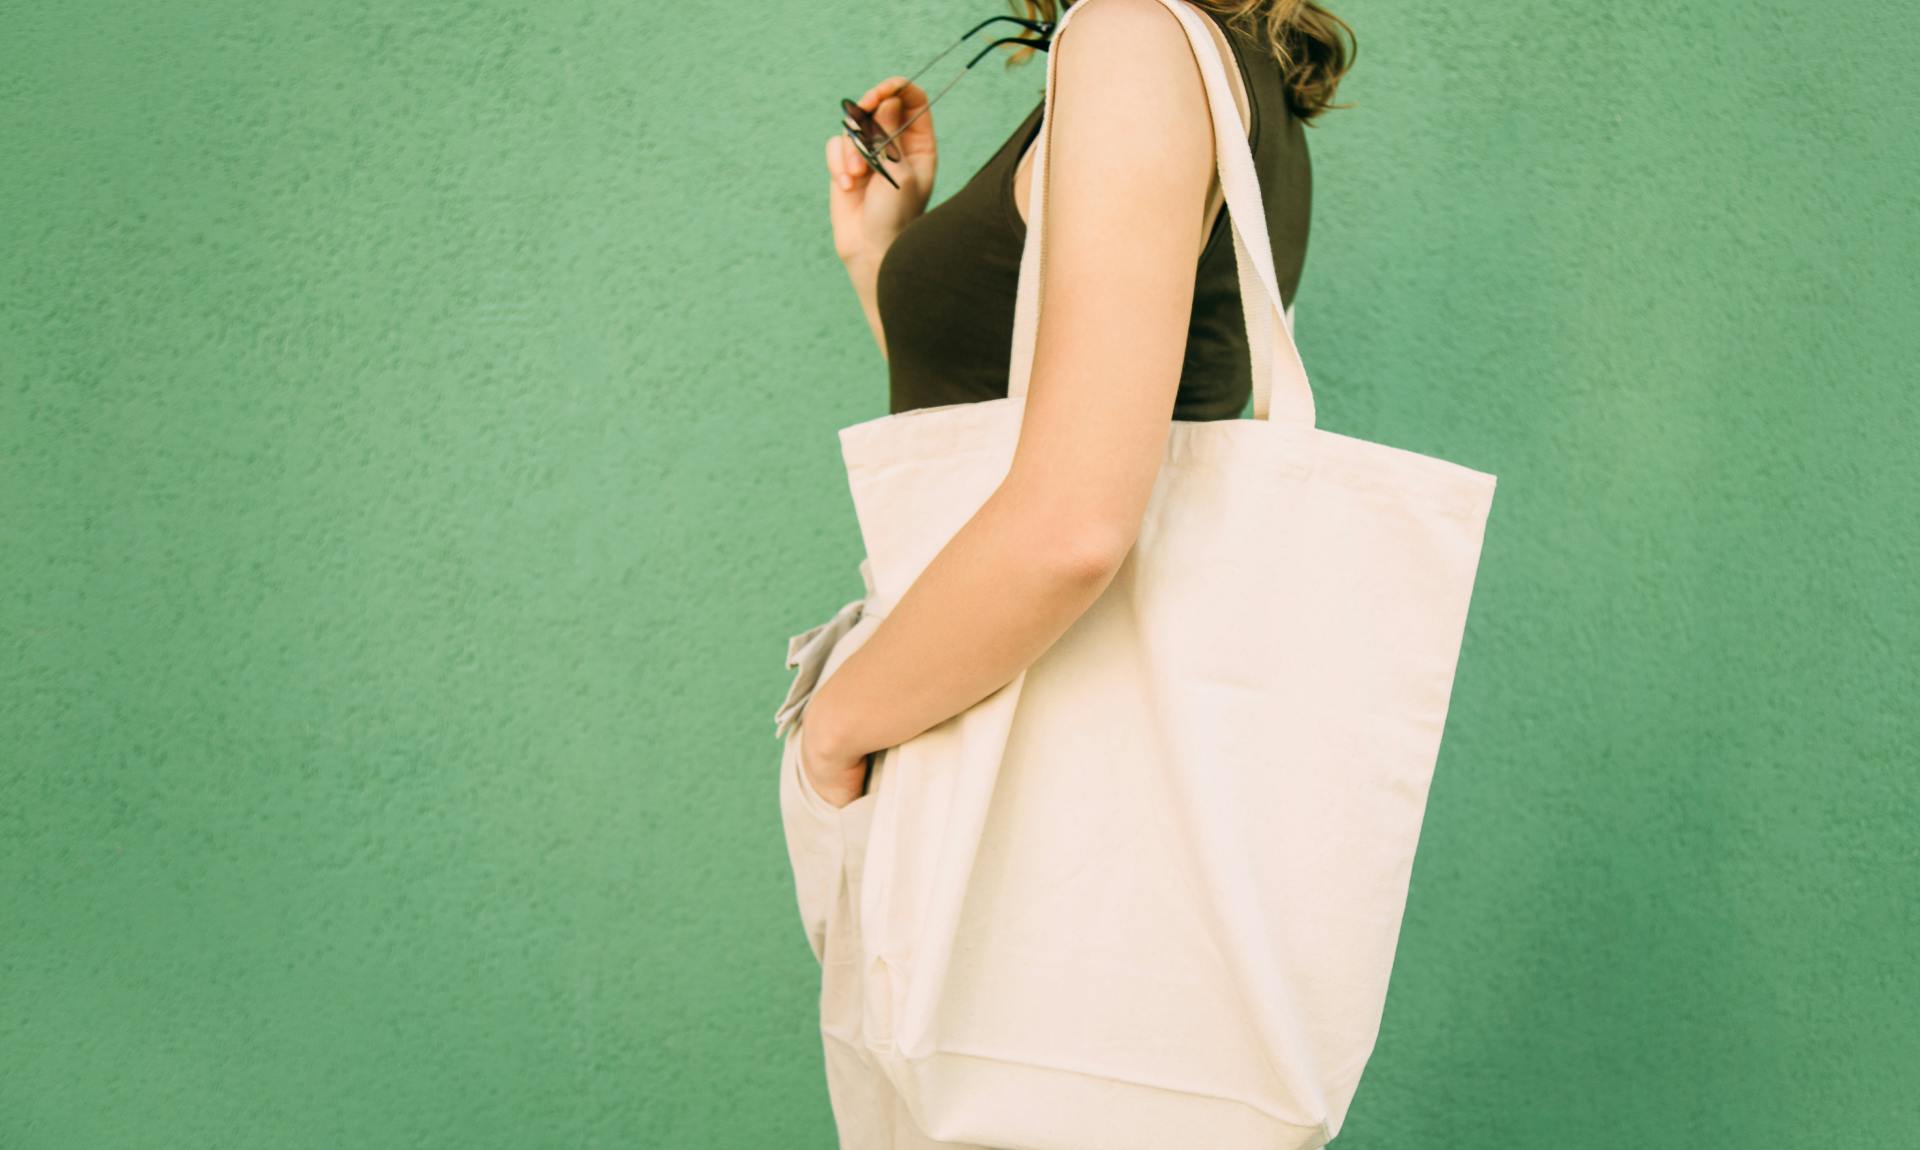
(823, 842)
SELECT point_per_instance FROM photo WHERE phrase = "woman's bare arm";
(1128, 183)
(864, 275)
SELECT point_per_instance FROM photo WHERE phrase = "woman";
(1132, 324)
(1134, 333)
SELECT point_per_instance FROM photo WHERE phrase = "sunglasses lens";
(867, 131)
(861, 122)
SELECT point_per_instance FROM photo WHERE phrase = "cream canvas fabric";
(1147, 895)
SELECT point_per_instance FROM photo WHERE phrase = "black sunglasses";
(875, 144)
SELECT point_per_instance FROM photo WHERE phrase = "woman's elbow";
(1085, 553)
(1072, 539)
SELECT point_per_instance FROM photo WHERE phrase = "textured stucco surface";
(416, 441)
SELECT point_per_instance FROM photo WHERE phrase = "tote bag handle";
(1281, 392)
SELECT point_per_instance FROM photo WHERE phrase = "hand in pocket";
(837, 784)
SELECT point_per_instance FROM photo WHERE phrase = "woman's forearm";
(1008, 584)
(864, 273)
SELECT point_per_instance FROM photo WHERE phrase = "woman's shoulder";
(1125, 27)
(1146, 46)
(1125, 63)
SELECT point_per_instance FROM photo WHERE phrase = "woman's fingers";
(890, 115)
(844, 166)
(835, 172)
(843, 174)
(857, 170)
(894, 101)
(881, 91)
(912, 97)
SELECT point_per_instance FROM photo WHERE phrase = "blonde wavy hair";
(1303, 36)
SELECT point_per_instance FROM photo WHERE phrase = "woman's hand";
(867, 212)
(837, 778)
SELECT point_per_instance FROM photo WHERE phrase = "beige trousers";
(828, 847)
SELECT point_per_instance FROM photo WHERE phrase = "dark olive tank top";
(946, 285)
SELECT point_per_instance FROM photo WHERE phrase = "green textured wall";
(416, 442)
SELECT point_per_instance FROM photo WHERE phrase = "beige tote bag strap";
(1281, 392)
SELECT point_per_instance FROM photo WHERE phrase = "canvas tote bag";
(1146, 896)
